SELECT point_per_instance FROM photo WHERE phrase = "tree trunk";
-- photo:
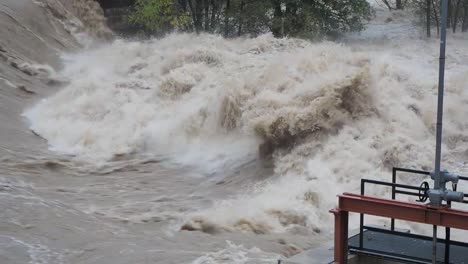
(455, 16)
(183, 5)
(206, 12)
(428, 18)
(226, 18)
(214, 10)
(277, 25)
(449, 19)
(199, 15)
(241, 16)
(465, 18)
(399, 4)
(436, 17)
(387, 4)
(194, 14)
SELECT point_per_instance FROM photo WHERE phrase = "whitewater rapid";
(160, 151)
(328, 114)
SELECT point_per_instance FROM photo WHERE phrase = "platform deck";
(405, 247)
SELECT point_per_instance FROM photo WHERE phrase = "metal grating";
(405, 247)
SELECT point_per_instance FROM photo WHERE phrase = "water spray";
(394, 244)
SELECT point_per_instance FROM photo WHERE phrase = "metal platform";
(405, 247)
(392, 244)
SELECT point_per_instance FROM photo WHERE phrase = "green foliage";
(159, 16)
(295, 18)
(253, 18)
(303, 18)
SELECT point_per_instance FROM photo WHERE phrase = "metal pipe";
(434, 244)
(392, 221)
(397, 185)
(447, 232)
(412, 171)
(447, 245)
(440, 103)
(361, 217)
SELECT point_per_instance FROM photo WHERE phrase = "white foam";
(115, 104)
(237, 254)
(343, 114)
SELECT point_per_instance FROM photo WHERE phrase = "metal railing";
(408, 190)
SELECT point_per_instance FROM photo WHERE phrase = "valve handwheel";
(423, 192)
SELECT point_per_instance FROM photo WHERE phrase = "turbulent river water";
(197, 149)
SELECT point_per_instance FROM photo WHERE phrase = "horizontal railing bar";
(407, 193)
(421, 172)
(413, 171)
(391, 184)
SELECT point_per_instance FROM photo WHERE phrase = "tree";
(465, 17)
(159, 16)
(298, 18)
(430, 10)
(455, 16)
(308, 19)
(428, 18)
(398, 4)
(227, 14)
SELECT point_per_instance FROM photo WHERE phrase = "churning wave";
(327, 114)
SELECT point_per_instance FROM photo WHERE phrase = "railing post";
(447, 234)
(341, 236)
(392, 221)
(361, 218)
(447, 245)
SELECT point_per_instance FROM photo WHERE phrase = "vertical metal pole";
(438, 184)
(434, 244)
(440, 102)
(392, 221)
(361, 219)
(447, 232)
(447, 245)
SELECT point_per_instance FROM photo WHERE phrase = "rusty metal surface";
(404, 211)
(425, 214)
(341, 237)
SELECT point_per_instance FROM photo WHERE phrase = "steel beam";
(425, 214)
(341, 237)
